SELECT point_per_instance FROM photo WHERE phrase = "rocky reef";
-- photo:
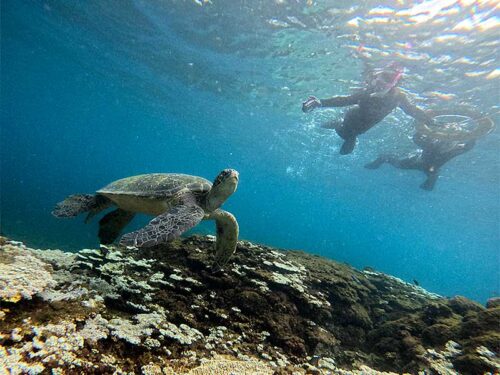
(162, 311)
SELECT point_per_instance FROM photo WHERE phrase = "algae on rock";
(162, 310)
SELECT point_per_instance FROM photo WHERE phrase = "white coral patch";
(24, 276)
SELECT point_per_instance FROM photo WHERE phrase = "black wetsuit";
(433, 155)
(368, 111)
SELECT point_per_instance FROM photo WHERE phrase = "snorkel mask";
(383, 80)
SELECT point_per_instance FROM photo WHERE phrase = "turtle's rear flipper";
(165, 227)
(112, 224)
(79, 203)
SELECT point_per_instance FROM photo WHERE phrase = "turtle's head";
(224, 185)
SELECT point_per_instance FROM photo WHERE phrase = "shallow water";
(95, 91)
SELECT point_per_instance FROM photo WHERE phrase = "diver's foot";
(348, 146)
(428, 185)
(375, 164)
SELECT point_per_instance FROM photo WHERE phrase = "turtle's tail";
(79, 203)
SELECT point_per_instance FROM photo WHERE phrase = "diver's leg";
(347, 131)
(410, 162)
(379, 161)
(416, 162)
(430, 182)
(348, 146)
(332, 124)
(406, 163)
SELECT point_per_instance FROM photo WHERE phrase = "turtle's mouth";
(235, 175)
(233, 180)
(231, 174)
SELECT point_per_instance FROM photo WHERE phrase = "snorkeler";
(433, 155)
(379, 98)
(438, 145)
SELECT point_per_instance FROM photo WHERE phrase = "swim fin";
(429, 183)
(348, 146)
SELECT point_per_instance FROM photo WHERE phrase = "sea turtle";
(178, 202)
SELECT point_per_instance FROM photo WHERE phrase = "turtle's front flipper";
(227, 237)
(79, 203)
(112, 224)
(165, 227)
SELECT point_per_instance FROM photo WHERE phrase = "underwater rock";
(493, 302)
(162, 311)
(22, 274)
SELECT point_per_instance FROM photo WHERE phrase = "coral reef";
(162, 311)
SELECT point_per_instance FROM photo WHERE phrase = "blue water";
(94, 91)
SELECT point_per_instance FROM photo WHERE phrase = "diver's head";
(224, 185)
(383, 80)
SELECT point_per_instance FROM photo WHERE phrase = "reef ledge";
(161, 311)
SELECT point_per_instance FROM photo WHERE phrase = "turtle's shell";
(156, 192)
(157, 184)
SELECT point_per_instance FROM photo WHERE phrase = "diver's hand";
(311, 103)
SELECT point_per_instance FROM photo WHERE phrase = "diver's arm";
(337, 101)
(412, 110)
(341, 101)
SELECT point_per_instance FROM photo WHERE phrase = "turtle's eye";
(220, 178)
(224, 175)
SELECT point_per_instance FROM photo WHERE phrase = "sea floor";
(162, 311)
